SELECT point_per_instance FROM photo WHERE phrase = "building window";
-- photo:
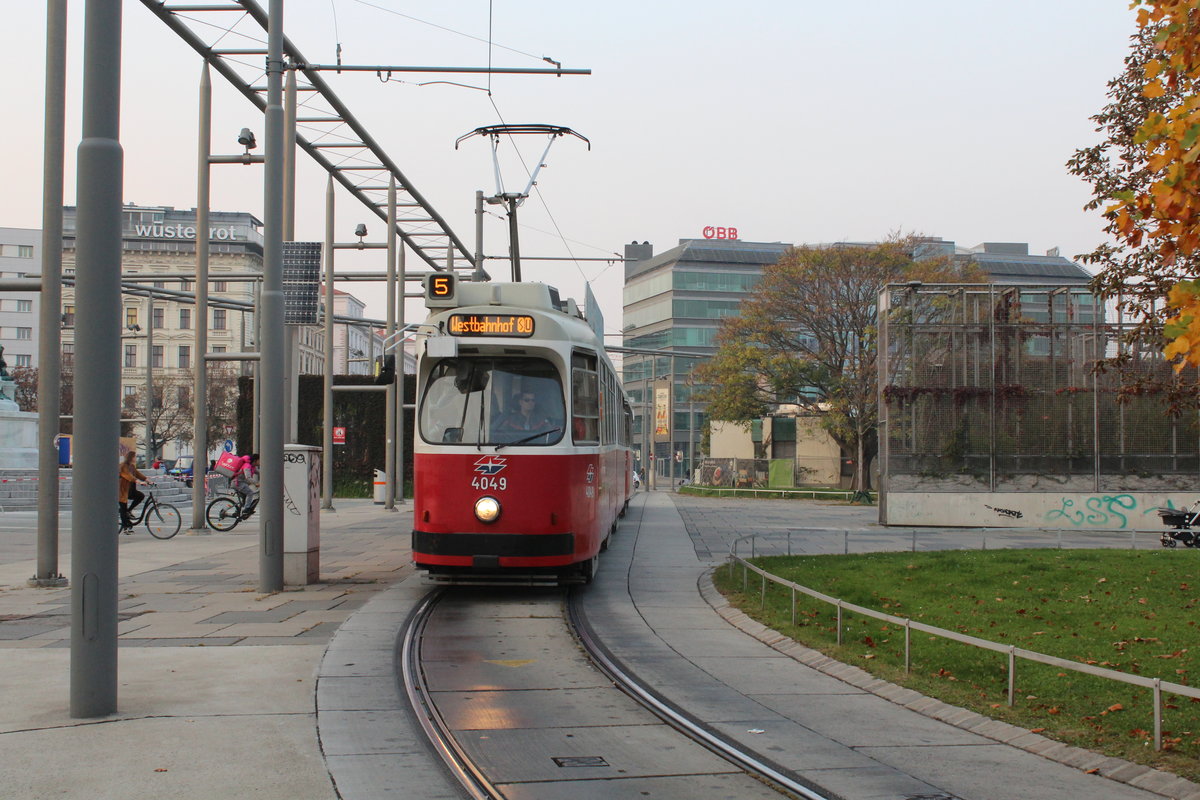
(183, 396)
(24, 333)
(68, 317)
(24, 306)
(130, 355)
(220, 348)
(186, 286)
(158, 319)
(160, 284)
(185, 319)
(24, 251)
(22, 360)
(131, 316)
(157, 394)
(68, 355)
(218, 319)
(156, 356)
(130, 398)
(220, 286)
(185, 356)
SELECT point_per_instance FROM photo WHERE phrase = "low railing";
(1157, 685)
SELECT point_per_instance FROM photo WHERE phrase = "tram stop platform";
(226, 692)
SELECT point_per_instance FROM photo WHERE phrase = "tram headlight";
(487, 509)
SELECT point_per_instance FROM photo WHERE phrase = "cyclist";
(128, 495)
(245, 483)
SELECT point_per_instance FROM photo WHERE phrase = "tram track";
(474, 776)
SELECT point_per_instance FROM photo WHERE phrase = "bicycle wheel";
(163, 521)
(222, 514)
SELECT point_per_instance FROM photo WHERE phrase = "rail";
(1157, 685)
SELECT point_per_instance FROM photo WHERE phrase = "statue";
(3, 364)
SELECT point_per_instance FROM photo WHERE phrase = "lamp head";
(360, 230)
(246, 139)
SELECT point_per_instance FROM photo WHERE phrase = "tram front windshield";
(493, 401)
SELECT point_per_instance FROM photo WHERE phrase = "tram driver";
(524, 418)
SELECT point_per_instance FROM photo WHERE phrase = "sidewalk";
(216, 681)
(219, 684)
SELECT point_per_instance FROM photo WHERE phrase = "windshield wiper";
(530, 438)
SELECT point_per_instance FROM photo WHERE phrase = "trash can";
(380, 487)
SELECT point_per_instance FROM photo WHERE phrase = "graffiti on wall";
(1098, 511)
(1005, 512)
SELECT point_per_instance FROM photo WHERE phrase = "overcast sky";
(791, 120)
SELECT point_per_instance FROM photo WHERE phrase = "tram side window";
(585, 399)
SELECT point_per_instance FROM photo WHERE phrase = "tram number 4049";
(489, 482)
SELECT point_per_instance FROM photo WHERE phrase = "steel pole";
(327, 365)
(390, 398)
(478, 274)
(149, 380)
(400, 428)
(291, 352)
(200, 339)
(270, 368)
(514, 247)
(98, 376)
(671, 422)
(50, 299)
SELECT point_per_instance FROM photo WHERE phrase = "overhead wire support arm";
(459, 70)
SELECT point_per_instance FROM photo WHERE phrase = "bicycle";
(225, 512)
(163, 520)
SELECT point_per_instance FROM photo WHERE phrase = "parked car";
(182, 469)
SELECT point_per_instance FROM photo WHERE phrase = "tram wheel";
(587, 569)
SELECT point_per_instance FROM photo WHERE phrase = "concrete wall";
(818, 452)
(1067, 510)
(730, 440)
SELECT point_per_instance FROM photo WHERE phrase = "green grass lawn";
(1126, 610)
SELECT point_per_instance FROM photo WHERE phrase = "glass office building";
(674, 303)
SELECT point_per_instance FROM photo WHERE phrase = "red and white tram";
(522, 447)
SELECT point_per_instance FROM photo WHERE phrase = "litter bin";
(380, 487)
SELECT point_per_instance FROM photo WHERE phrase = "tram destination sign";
(518, 325)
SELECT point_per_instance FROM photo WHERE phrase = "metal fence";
(993, 388)
(1156, 685)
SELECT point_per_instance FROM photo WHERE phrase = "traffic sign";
(228, 446)
(339, 435)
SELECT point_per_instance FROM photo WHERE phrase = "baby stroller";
(1182, 520)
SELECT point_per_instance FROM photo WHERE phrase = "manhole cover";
(937, 796)
(580, 761)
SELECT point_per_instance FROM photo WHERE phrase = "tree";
(807, 335)
(25, 383)
(1146, 178)
(173, 415)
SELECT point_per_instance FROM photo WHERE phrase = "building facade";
(158, 337)
(674, 303)
(20, 256)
